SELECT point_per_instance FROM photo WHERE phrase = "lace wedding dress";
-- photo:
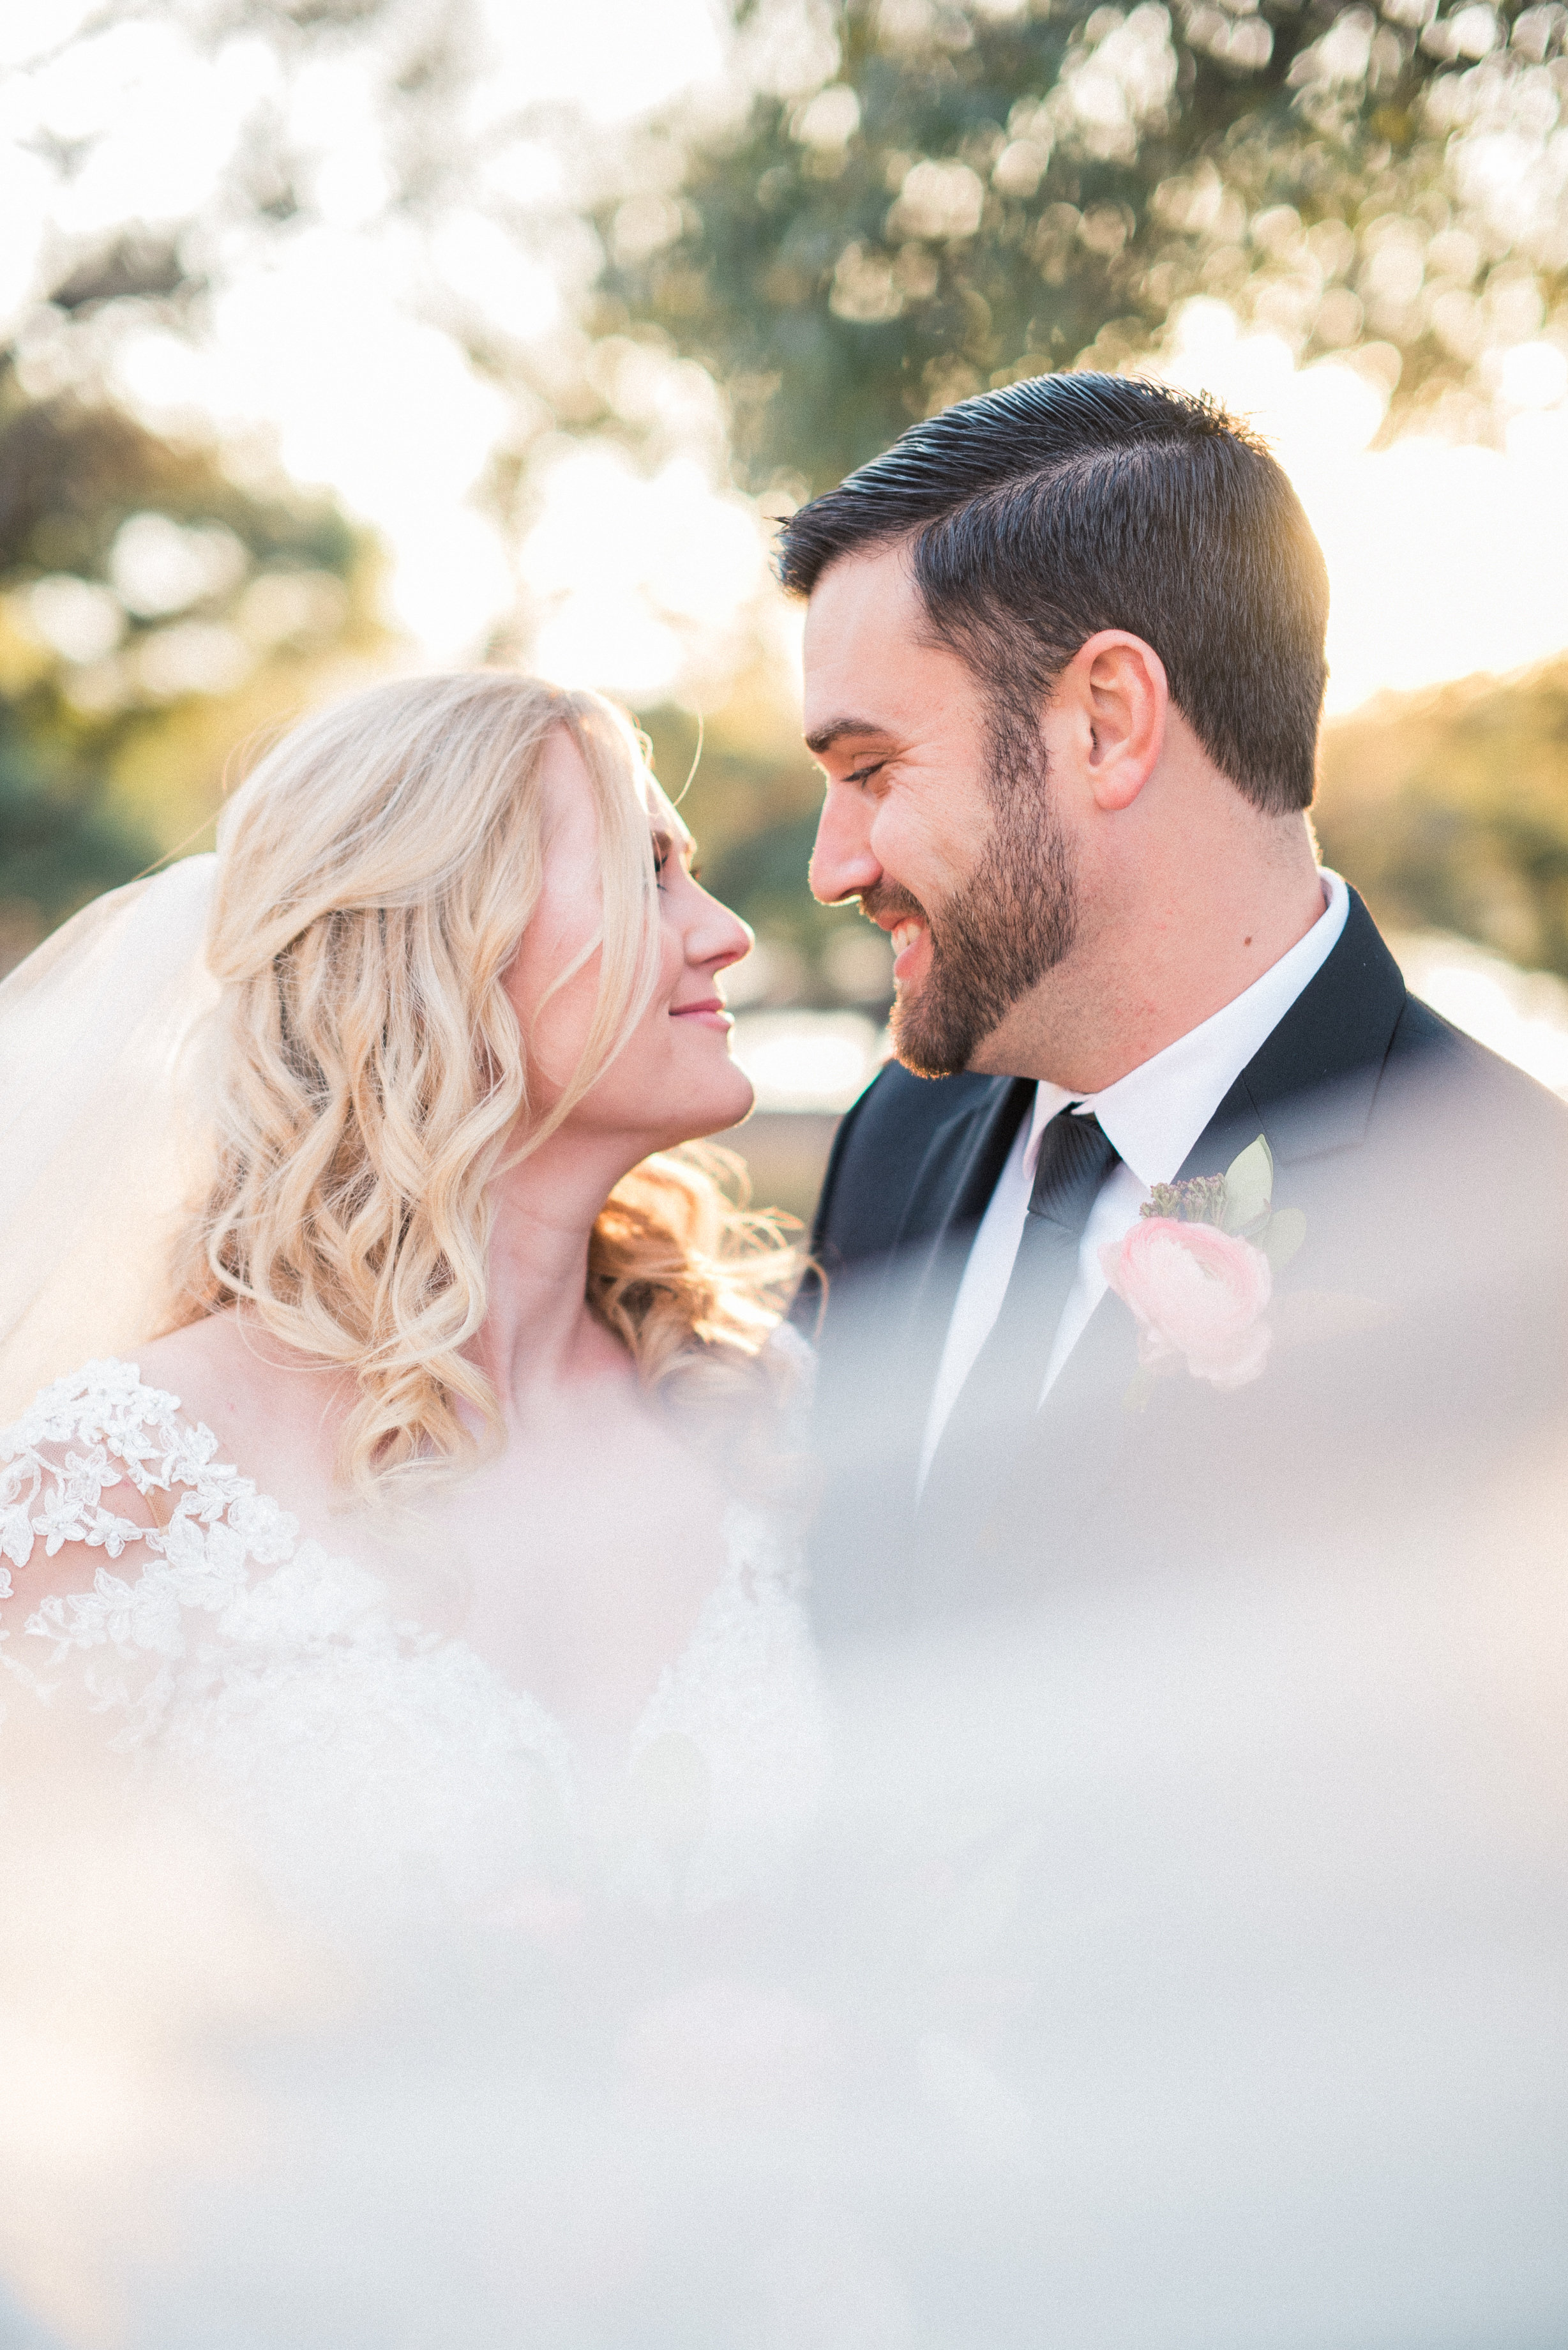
(368, 1766)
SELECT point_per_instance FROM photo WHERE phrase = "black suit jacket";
(1420, 1332)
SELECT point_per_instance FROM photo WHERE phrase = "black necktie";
(997, 1402)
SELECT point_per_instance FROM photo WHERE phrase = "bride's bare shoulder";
(206, 1367)
(235, 1379)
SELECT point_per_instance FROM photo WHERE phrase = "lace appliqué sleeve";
(91, 1436)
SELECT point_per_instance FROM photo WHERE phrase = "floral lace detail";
(87, 1434)
(357, 1754)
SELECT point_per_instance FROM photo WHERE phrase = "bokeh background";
(339, 338)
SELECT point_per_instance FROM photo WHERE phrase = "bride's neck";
(538, 1335)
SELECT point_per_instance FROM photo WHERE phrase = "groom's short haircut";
(1040, 515)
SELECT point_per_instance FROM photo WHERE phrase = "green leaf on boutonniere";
(1249, 1187)
(1282, 1236)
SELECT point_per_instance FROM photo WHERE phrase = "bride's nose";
(715, 936)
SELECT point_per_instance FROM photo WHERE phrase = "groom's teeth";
(904, 935)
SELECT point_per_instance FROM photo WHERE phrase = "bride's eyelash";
(661, 856)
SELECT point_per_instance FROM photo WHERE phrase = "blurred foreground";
(1173, 1954)
(1183, 1967)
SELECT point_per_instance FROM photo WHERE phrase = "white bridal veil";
(100, 1129)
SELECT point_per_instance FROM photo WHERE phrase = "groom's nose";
(842, 861)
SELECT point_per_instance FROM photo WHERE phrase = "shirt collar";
(1156, 1113)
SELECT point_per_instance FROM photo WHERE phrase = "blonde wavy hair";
(376, 874)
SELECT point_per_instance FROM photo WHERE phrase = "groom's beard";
(1013, 921)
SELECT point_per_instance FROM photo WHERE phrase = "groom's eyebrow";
(840, 730)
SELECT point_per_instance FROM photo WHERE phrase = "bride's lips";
(708, 1012)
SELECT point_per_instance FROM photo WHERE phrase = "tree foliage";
(1449, 810)
(975, 193)
(924, 198)
(152, 611)
(157, 608)
(985, 191)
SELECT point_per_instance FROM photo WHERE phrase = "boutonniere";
(1197, 1272)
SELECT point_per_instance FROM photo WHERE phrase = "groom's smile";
(906, 937)
(909, 929)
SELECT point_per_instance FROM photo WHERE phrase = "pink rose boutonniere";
(1197, 1272)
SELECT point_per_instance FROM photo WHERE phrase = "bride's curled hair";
(377, 872)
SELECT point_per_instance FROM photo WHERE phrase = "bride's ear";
(1114, 699)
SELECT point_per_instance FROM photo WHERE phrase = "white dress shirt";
(1154, 1115)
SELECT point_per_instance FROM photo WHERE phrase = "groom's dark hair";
(1068, 503)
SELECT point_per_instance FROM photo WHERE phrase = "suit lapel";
(963, 1161)
(960, 1169)
(1311, 1084)
(956, 1176)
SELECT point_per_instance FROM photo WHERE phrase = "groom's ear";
(1115, 700)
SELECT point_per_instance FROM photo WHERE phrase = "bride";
(428, 1529)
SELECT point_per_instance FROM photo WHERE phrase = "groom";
(1063, 672)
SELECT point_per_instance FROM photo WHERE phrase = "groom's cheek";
(933, 825)
(900, 841)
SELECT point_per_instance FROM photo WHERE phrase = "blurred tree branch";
(152, 613)
(1450, 810)
(155, 608)
(889, 204)
(985, 190)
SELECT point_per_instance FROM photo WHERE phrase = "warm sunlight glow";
(335, 345)
(1443, 560)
